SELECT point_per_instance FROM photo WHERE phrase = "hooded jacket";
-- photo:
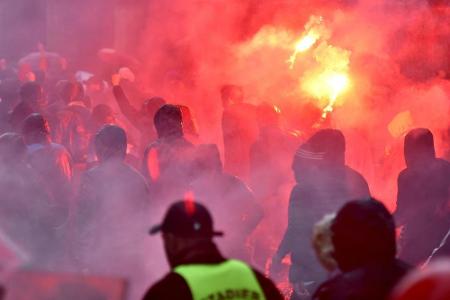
(324, 184)
(423, 197)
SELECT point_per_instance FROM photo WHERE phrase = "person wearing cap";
(324, 183)
(199, 271)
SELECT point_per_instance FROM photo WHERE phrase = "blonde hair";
(322, 242)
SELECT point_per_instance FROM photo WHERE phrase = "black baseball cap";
(187, 219)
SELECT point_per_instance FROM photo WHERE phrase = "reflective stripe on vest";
(231, 279)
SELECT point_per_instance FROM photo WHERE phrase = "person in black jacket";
(363, 236)
(423, 197)
(199, 271)
(324, 183)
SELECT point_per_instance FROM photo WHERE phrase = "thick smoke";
(398, 63)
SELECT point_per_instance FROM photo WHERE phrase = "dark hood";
(419, 147)
(324, 149)
(363, 234)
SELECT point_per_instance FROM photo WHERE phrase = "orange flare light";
(328, 78)
(314, 30)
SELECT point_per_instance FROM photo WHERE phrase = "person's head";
(431, 283)
(187, 227)
(322, 242)
(324, 149)
(110, 143)
(36, 130)
(363, 234)
(419, 147)
(151, 106)
(169, 121)
(12, 148)
(31, 92)
(231, 94)
(67, 90)
(102, 114)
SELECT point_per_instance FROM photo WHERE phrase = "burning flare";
(323, 69)
(314, 30)
(329, 78)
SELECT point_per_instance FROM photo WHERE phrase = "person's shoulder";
(57, 146)
(172, 286)
(403, 173)
(152, 145)
(363, 283)
(184, 142)
(60, 149)
(132, 172)
(358, 182)
(354, 174)
(341, 286)
(327, 289)
(443, 164)
(297, 190)
(91, 174)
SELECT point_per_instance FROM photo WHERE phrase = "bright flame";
(329, 78)
(314, 30)
(336, 84)
(304, 44)
(324, 75)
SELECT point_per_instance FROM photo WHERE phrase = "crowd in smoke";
(397, 58)
(214, 108)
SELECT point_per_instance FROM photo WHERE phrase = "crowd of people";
(84, 173)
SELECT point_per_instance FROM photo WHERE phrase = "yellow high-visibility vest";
(229, 280)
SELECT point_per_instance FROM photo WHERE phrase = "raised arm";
(130, 112)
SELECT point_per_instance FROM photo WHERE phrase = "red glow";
(153, 164)
(189, 202)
